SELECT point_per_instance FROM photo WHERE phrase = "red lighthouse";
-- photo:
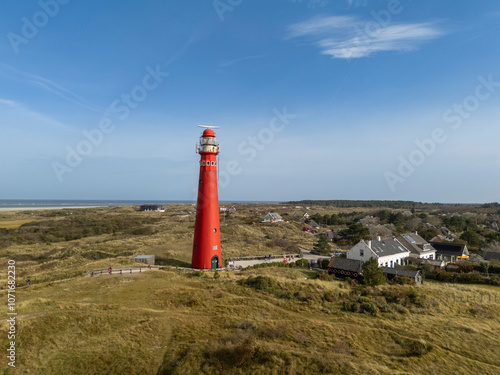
(206, 243)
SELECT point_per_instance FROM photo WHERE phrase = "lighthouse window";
(203, 163)
(200, 181)
(215, 230)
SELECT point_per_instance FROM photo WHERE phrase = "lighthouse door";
(215, 262)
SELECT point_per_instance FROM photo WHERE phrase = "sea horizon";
(62, 203)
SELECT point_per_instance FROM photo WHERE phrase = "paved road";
(306, 254)
(253, 262)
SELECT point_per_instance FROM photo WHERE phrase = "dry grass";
(163, 322)
(172, 321)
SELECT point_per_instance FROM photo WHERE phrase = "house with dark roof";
(450, 252)
(490, 255)
(313, 224)
(389, 252)
(331, 235)
(419, 248)
(391, 273)
(343, 267)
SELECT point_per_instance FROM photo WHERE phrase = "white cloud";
(345, 37)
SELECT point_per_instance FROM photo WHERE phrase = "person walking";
(109, 270)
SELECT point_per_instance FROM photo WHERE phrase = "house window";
(361, 253)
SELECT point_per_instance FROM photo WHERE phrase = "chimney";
(379, 238)
(369, 243)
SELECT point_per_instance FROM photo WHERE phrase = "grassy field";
(263, 321)
(163, 322)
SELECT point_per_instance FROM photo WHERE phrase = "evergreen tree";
(322, 246)
(372, 273)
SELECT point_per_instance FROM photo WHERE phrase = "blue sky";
(315, 99)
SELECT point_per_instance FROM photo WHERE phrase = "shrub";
(264, 283)
(199, 274)
(418, 348)
(302, 263)
(412, 295)
(328, 296)
(403, 280)
(372, 273)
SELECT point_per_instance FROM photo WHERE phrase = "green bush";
(264, 283)
(403, 280)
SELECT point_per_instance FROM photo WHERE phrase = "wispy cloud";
(35, 117)
(226, 64)
(346, 37)
(49, 86)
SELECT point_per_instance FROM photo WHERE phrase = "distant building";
(331, 235)
(450, 252)
(152, 207)
(429, 226)
(146, 259)
(272, 217)
(343, 267)
(369, 220)
(388, 252)
(304, 217)
(448, 234)
(490, 255)
(313, 224)
(232, 209)
(418, 247)
(391, 273)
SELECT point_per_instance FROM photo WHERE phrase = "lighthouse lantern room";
(206, 242)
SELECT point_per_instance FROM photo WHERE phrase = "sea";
(43, 203)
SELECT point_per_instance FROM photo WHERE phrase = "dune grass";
(174, 322)
(262, 321)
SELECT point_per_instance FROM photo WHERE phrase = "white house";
(272, 217)
(388, 252)
(419, 248)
